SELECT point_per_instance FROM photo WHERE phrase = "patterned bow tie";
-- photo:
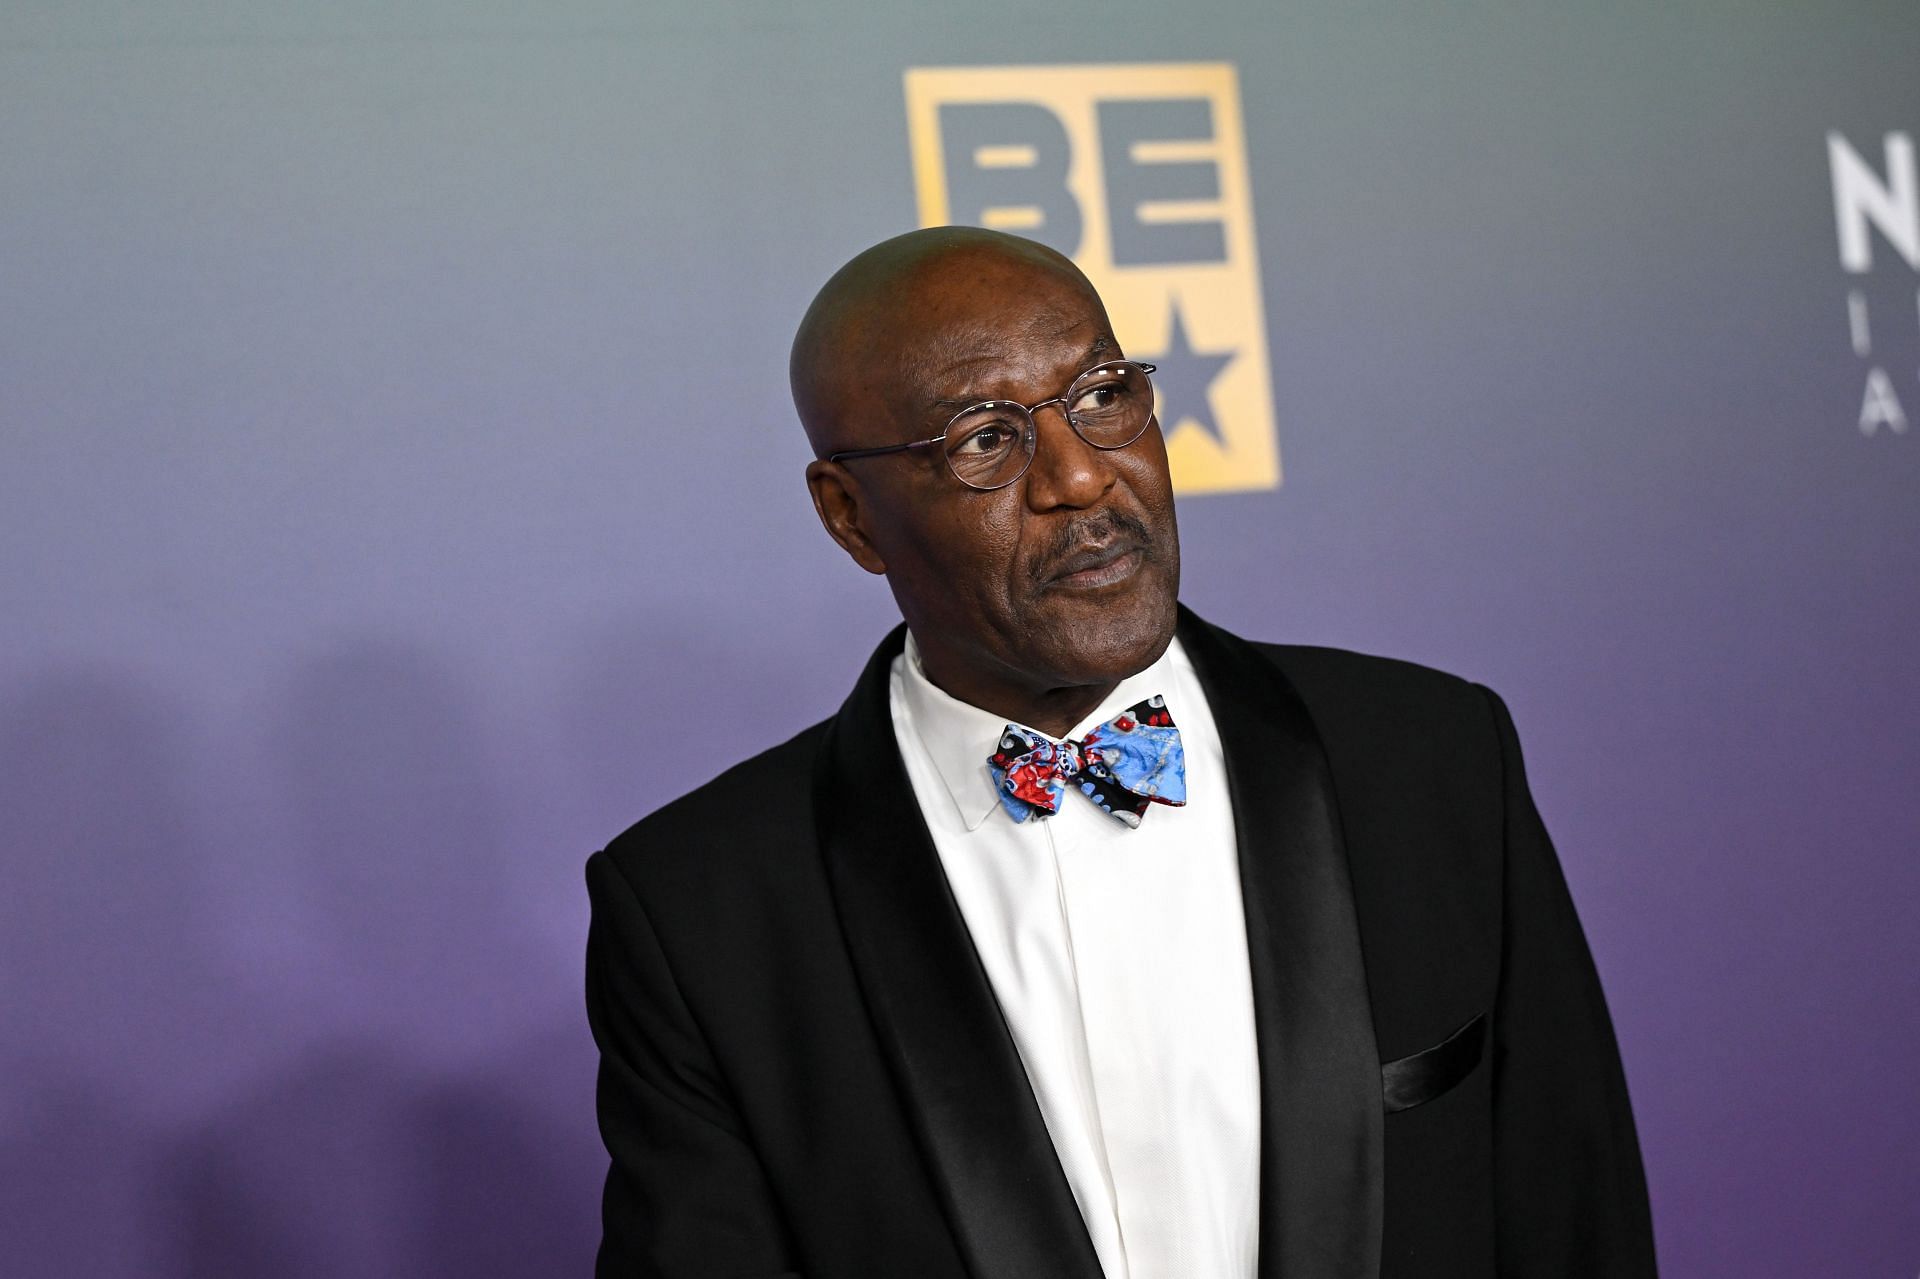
(1129, 762)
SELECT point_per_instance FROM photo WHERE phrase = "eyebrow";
(1097, 351)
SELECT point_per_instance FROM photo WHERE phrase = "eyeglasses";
(990, 445)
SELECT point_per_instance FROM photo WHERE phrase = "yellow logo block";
(1138, 172)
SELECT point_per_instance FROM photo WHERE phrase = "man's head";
(1065, 578)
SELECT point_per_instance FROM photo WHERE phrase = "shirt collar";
(959, 737)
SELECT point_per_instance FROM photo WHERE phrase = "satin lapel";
(1322, 1119)
(946, 1041)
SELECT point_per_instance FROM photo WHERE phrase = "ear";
(836, 500)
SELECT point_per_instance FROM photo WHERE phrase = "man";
(1087, 938)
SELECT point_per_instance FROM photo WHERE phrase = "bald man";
(1088, 939)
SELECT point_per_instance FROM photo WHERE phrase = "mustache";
(1107, 528)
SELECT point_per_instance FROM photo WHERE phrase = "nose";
(1066, 470)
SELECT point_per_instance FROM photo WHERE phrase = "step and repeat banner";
(400, 496)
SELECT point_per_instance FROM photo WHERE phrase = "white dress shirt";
(1119, 958)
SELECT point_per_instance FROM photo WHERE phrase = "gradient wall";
(399, 496)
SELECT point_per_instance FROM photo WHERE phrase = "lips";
(1096, 565)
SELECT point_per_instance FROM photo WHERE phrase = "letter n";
(1860, 197)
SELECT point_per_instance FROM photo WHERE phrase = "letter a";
(1880, 406)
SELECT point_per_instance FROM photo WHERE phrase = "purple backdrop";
(393, 435)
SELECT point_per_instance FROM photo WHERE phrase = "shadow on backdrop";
(436, 1117)
(112, 996)
(358, 1162)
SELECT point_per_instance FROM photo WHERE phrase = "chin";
(1102, 641)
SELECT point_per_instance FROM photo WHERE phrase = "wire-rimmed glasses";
(990, 445)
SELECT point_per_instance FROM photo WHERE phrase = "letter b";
(1006, 165)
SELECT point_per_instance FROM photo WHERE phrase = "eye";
(985, 439)
(1102, 397)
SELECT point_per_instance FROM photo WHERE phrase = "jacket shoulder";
(1363, 679)
(1384, 709)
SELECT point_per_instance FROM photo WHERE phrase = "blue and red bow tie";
(1127, 763)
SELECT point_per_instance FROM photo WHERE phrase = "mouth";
(1095, 566)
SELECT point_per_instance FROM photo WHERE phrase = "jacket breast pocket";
(1418, 1078)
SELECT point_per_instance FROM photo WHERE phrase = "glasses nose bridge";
(1031, 435)
(1063, 402)
(1033, 410)
(1073, 462)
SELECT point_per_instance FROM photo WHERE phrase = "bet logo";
(1139, 174)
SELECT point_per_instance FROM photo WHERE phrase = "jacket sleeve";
(1571, 1197)
(686, 1195)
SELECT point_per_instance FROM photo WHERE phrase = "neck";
(1054, 711)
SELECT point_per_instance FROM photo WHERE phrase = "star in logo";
(1184, 377)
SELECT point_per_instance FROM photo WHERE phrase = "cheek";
(1146, 474)
(981, 553)
(954, 552)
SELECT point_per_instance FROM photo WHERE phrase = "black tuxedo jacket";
(804, 1070)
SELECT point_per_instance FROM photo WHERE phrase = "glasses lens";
(1111, 405)
(989, 445)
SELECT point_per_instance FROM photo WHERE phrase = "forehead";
(997, 328)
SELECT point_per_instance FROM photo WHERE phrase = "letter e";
(1132, 183)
